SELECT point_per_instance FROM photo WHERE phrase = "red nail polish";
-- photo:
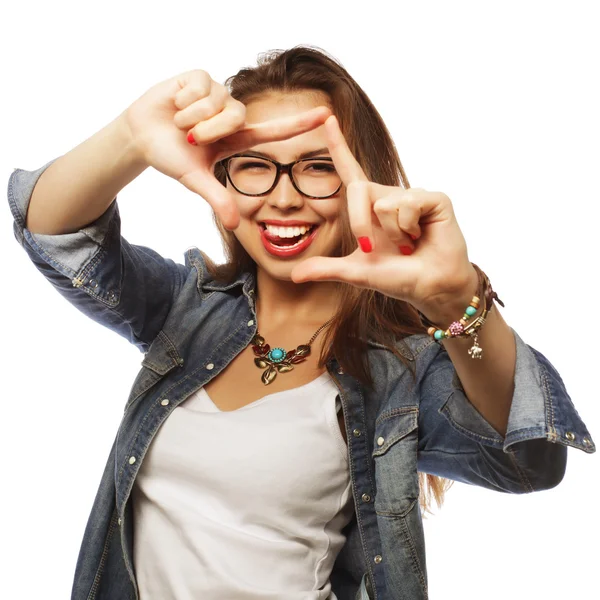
(365, 244)
(406, 250)
(190, 139)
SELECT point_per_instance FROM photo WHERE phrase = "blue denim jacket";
(190, 327)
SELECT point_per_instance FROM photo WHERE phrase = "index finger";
(346, 165)
(275, 129)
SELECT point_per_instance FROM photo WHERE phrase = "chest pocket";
(161, 358)
(395, 457)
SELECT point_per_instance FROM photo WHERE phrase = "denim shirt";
(190, 327)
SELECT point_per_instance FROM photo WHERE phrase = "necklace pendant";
(269, 375)
(299, 354)
(277, 355)
(276, 360)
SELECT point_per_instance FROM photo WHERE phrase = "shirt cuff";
(540, 408)
(67, 253)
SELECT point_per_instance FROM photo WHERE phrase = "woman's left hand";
(418, 254)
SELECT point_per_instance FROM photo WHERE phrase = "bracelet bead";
(456, 328)
(464, 327)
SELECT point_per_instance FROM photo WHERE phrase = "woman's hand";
(418, 254)
(192, 103)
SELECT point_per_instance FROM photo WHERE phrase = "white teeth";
(286, 232)
(304, 237)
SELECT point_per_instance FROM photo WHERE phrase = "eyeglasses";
(255, 176)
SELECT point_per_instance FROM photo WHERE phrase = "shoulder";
(215, 277)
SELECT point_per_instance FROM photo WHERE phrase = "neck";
(280, 303)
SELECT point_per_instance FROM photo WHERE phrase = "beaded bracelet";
(462, 327)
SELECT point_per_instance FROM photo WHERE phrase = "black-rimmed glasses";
(256, 176)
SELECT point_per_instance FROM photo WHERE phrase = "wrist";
(450, 307)
(130, 150)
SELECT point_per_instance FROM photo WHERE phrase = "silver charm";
(476, 350)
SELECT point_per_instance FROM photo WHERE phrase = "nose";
(285, 195)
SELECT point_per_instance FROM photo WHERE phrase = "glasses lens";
(252, 175)
(317, 178)
(314, 177)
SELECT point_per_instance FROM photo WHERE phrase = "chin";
(281, 270)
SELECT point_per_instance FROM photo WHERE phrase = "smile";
(284, 247)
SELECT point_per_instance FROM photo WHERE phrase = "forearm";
(79, 187)
(488, 382)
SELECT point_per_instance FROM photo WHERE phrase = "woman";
(339, 289)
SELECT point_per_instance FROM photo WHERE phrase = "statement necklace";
(278, 360)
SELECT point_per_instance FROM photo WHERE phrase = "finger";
(346, 165)
(359, 212)
(231, 118)
(275, 129)
(194, 86)
(205, 185)
(399, 218)
(202, 109)
(424, 201)
(321, 268)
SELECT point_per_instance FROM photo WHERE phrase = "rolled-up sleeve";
(122, 286)
(458, 442)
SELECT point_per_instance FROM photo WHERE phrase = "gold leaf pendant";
(269, 375)
(276, 360)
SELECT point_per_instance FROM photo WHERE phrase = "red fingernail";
(406, 250)
(365, 244)
(190, 139)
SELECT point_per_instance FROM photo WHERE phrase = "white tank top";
(246, 504)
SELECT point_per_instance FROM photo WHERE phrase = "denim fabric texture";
(190, 327)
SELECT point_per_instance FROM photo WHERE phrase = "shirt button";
(340, 371)
(378, 558)
(570, 436)
(250, 323)
(131, 460)
(380, 441)
(366, 498)
(356, 432)
(165, 402)
(210, 366)
(119, 521)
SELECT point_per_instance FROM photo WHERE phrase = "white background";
(496, 104)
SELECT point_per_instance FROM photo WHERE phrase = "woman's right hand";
(161, 119)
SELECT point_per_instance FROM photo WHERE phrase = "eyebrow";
(310, 154)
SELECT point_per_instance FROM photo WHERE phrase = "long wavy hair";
(364, 312)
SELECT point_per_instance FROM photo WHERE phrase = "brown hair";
(365, 312)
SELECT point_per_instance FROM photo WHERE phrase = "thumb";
(206, 186)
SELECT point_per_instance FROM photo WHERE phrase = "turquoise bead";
(277, 354)
(439, 334)
(471, 311)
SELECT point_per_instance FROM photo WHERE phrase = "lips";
(285, 251)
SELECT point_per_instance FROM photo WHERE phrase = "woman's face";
(285, 203)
